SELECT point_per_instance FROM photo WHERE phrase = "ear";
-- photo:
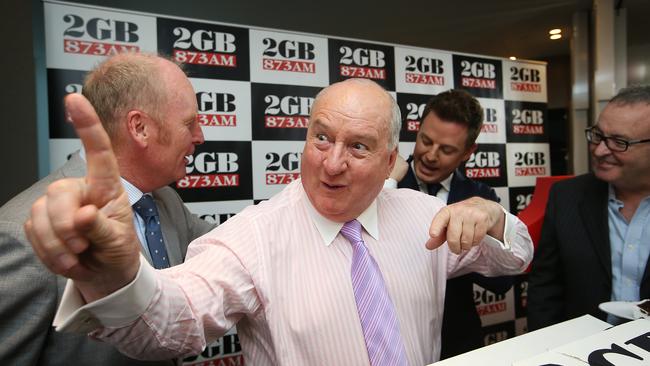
(138, 127)
(391, 162)
(469, 152)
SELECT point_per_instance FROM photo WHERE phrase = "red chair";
(533, 215)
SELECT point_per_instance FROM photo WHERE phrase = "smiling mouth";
(605, 163)
(425, 168)
(333, 187)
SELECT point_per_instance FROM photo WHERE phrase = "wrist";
(499, 215)
(104, 285)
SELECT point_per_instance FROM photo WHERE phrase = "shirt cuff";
(115, 310)
(508, 233)
(390, 183)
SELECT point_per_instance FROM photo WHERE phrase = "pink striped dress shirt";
(281, 273)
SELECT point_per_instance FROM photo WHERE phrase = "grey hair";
(395, 118)
(632, 95)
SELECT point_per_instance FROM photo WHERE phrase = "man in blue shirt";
(595, 238)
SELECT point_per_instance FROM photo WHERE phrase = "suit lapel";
(593, 211)
(459, 189)
(644, 291)
(409, 180)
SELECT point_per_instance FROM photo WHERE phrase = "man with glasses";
(595, 239)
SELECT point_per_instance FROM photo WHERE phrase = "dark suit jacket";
(30, 294)
(571, 271)
(461, 324)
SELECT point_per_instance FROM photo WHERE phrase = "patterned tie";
(376, 311)
(433, 188)
(146, 208)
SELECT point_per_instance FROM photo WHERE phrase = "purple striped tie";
(376, 311)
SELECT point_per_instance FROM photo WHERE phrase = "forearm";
(135, 319)
(494, 257)
(153, 317)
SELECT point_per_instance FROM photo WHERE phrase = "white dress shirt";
(281, 272)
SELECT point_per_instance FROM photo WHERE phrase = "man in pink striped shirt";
(279, 270)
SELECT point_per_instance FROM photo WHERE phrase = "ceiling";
(499, 27)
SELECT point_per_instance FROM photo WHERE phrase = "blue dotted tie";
(146, 208)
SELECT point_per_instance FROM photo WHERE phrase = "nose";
(335, 160)
(601, 149)
(197, 135)
(432, 154)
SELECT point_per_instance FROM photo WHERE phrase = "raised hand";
(83, 227)
(400, 169)
(464, 224)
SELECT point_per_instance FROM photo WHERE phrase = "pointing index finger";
(103, 175)
(438, 228)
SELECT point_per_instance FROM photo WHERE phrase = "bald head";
(377, 99)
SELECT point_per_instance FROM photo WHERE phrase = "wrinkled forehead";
(363, 100)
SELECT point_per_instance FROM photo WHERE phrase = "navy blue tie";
(146, 208)
(433, 188)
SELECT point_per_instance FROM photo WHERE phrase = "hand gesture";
(400, 169)
(82, 228)
(464, 224)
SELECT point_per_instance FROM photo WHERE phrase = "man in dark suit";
(148, 107)
(451, 122)
(595, 239)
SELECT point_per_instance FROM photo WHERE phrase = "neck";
(132, 173)
(632, 193)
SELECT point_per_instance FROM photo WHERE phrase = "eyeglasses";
(616, 144)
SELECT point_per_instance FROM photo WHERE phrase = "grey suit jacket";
(30, 294)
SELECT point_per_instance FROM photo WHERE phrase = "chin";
(428, 179)
(608, 176)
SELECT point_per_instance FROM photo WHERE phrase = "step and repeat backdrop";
(255, 88)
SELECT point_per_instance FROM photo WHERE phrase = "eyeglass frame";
(590, 131)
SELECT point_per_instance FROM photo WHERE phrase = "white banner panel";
(524, 81)
(275, 164)
(423, 71)
(80, 37)
(526, 162)
(288, 58)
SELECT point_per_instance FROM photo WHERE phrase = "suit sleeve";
(28, 298)
(545, 281)
(490, 194)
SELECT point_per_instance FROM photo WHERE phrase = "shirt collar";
(446, 183)
(329, 229)
(611, 195)
(132, 191)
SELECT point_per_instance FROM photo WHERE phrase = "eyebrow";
(356, 137)
(614, 135)
(318, 123)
